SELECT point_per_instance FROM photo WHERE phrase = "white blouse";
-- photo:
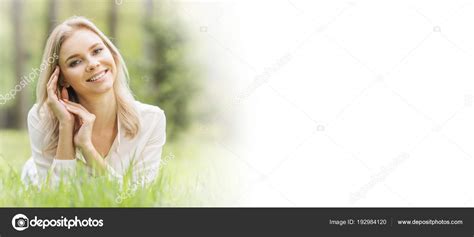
(142, 154)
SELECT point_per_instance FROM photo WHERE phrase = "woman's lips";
(98, 77)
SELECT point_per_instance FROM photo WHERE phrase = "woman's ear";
(63, 82)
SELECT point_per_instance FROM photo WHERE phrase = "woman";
(85, 113)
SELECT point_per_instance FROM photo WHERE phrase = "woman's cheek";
(75, 76)
(109, 57)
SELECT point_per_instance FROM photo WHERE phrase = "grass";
(197, 175)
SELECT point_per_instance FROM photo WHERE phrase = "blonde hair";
(127, 114)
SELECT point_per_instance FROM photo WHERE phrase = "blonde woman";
(85, 113)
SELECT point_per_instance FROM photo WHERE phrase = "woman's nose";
(93, 65)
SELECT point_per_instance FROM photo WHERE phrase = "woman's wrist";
(66, 124)
(65, 149)
(87, 147)
(93, 159)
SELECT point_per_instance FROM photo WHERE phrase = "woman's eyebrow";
(75, 55)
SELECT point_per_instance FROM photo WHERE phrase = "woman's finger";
(64, 94)
(83, 114)
(64, 104)
(51, 77)
(77, 112)
(54, 77)
(52, 84)
(74, 105)
(77, 123)
(77, 105)
(74, 110)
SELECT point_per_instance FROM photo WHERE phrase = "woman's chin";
(103, 86)
(103, 89)
(100, 89)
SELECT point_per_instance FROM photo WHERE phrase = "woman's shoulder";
(34, 118)
(147, 111)
(34, 114)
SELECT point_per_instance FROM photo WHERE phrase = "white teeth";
(95, 78)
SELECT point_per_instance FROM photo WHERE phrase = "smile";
(98, 76)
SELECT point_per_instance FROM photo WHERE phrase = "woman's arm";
(83, 137)
(65, 150)
(63, 161)
(94, 159)
(47, 164)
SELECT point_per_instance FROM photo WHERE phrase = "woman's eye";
(74, 63)
(97, 51)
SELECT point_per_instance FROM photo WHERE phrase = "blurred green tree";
(173, 81)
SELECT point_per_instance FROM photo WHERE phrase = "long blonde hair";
(127, 114)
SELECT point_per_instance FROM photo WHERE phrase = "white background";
(348, 103)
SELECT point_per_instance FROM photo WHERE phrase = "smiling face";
(87, 64)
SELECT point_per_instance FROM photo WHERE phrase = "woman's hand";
(83, 136)
(53, 101)
(84, 124)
